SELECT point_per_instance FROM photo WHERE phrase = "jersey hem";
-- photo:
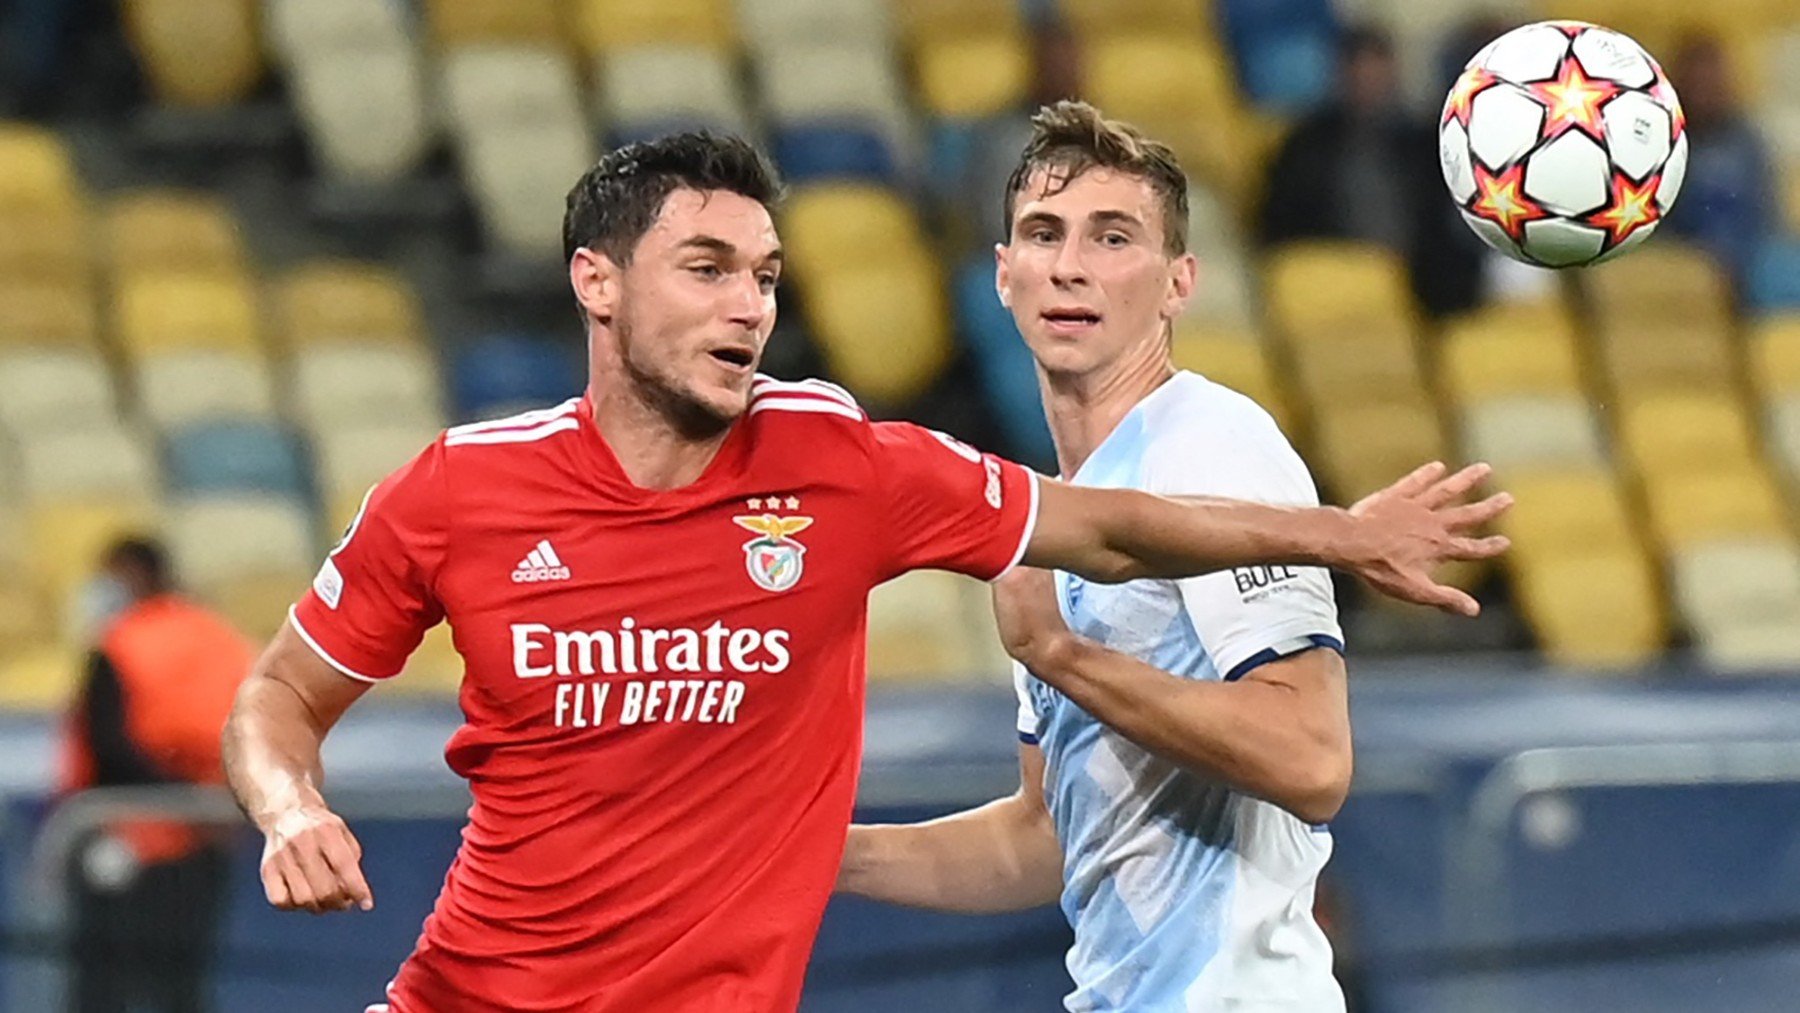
(1269, 654)
(1031, 517)
(324, 655)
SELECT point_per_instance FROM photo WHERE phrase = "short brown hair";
(1069, 138)
(611, 207)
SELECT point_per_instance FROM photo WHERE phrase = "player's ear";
(1184, 274)
(1002, 275)
(595, 279)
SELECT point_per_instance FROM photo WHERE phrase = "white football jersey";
(1185, 895)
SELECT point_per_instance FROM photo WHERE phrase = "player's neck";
(651, 449)
(1084, 408)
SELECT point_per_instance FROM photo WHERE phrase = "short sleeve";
(1028, 719)
(946, 505)
(373, 598)
(1254, 614)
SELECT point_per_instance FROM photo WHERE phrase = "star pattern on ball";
(1664, 92)
(1501, 199)
(1633, 206)
(1473, 82)
(1573, 101)
(1569, 28)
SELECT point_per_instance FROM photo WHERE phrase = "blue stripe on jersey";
(1269, 654)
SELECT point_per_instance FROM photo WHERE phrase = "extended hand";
(1407, 530)
(1026, 611)
(311, 862)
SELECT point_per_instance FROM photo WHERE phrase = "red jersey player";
(659, 592)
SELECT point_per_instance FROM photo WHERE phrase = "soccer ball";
(1563, 144)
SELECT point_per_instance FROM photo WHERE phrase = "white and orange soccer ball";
(1563, 144)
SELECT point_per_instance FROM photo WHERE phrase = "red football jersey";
(663, 689)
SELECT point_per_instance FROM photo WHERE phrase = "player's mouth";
(734, 358)
(1070, 319)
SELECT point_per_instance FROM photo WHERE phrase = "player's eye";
(707, 271)
(1115, 239)
(767, 281)
(1041, 235)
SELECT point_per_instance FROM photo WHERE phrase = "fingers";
(1474, 515)
(316, 868)
(1456, 486)
(1478, 548)
(343, 853)
(275, 885)
(1420, 480)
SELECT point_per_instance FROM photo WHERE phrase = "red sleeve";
(373, 599)
(949, 506)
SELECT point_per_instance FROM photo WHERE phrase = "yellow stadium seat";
(1093, 19)
(608, 25)
(200, 53)
(39, 172)
(67, 537)
(1532, 431)
(25, 618)
(175, 389)
(1775, 355)
(1727, 503)
(172, 230)
(333, 301)
(927, 624)
(257, 603)
(928, 21)
(1668, 357)
(464, 22)
(1236, 359)
(221, 538)
(1676, 433)
(45, 245)
(973, 77)
(100, 459)
(837, 223)
(42, 679)
(353, 385)
(1593, 609)
(1179, 90)
(1497, 354)
(1363, 447)
(159, 313)
(435, 669)
(884, 327)
(1374, 363)
(1562, 510)
(47, 313)
(1329, 287)
(1665, 283)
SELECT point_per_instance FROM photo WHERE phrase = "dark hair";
(145, 555)
(1069, 138)
(616, 201)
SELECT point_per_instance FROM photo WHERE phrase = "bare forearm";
(1000, 857)
(1259, 737)
(271, 750)
(1181, 537)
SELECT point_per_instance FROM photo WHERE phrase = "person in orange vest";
(160, 678)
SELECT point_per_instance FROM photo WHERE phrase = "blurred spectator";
(159, 684)
(1727, 202)
(1361, 167)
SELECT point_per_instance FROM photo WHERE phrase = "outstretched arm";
(271, 745)
(1003, 856)
(1392, 539)
(1281, 733)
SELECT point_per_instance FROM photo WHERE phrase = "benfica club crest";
(774, 559)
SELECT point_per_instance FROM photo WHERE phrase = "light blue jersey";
(1185, 895)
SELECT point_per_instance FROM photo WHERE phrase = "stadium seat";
(1096, 19)
(40, 174)
(1179, 90)
(837, 83)
(349, 460)
(1557, 510)
(1723, 586)
(769, 25)
(1008, 373)
(1326, 287)
(463, 22)
(26, 620)
(883, 327)
(816, 153)
(923, 626)
(1668, 357)
(826, 225)
(1370, 363)
(198, 53)
(236, 456)
(1497, 353)
(42, 679)
(664, 84)
(45, 246)
(435, 669)
(178, 388)
(49, 389)
(1774, 282)
(1532, 431)
(965, 78)
(217, 539)
(95, 460)
(1225, 295)
(330, 302)
(1784, 435)
(608, 26)
(1775, 355)
(493, 86)
(337, 386)
(1728, 502)
(298, 28)
(1362, 447)
(67, 537)
(257, 603)
(1290, 71)
(171, 312)
(1593, 609)
(338, 54)
(172, 230)
(1235, 358)
(1676, 433)
(505, 373)
(1664, 283)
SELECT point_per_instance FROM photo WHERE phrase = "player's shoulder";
(515, 437)
(1191, 408)
(815, 403)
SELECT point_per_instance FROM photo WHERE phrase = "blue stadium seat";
(1774, 282)
(247, 455)
(1291, 72)
(502, 373)
(1008, 375)
(821, 151)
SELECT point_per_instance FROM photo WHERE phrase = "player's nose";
(747, 306)
(1068, 268)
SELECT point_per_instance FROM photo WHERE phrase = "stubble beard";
(688, 415)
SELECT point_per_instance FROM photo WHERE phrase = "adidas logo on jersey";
(540, 565)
